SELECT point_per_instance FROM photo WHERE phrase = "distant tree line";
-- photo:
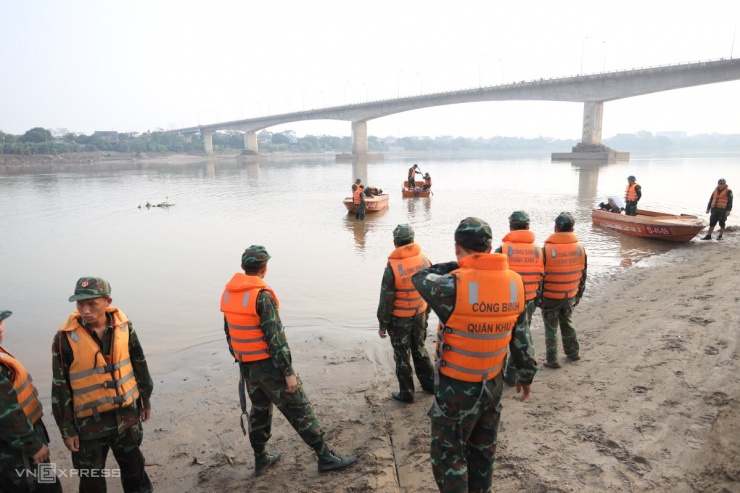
(43, 141)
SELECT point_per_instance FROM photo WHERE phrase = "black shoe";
(264, 460)
(552, 364)
(707, 237)
(331, 461)
(428, 390)
(402, 397)
(573, 357)
(719, 237)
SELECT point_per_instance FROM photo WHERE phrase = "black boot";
(264, 460)
(331, 461)
(403, 397)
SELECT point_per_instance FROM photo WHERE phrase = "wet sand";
(652, 404)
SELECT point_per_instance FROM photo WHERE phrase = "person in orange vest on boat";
(402, 314)
(23, 436)
(632, 196)
(427, 182)
(358, 198)
(101, 389)
(480, 304)
(720, 203)
(256, 339)
(413, 171)
(526, 259)
(563, 286)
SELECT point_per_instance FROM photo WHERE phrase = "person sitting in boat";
(632, 195)
(427, 183)
(372, 191)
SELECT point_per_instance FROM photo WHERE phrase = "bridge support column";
(250, 142)
(359, 138)
(593, 116)
(208, 142)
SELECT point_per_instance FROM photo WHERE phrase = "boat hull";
(375, 203)
(407, 192)
(651, 224)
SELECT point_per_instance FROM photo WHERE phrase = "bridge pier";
(208, 142)
(590, 147)
(250, 142)
(593, 118)
(359, 144)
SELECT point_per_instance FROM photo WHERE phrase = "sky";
(135, 66)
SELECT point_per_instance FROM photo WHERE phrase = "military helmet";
(519, 217)
(403, 233)
(631, 177)
(565, 219)
(473, 234)
(721, 181)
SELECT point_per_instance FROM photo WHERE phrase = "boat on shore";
(413, 192)
(376, 203)
(651, 224)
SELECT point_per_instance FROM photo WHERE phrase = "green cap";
(631, 177)
(255, 257)
(358, 180)
(565, 219)
(721, 181)
(5, 314)
(473, 234)
(403, 232)
(88, 288)
(519, 217)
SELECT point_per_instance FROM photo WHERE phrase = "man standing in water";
(564, 284)
(632, 196)
(101, 389)
(23, 437)
(720, 203)
(402, 314)
(358, 198)
(525, 258)
(256, 339)
(480, 304)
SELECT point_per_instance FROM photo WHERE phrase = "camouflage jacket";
(385, 305)
(274, 332)
(111, 422)
(438, 287)
(16, 432)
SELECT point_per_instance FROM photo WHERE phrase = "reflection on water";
(167, 267)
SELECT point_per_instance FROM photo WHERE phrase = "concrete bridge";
(592, 90)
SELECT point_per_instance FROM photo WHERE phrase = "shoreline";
(652, 404)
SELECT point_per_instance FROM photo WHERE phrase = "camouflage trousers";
(407, 336)
(511, 375)
(464, 445)
(554, 313)
(360, 212)
(90, 462)
(21, 475)
(266, 386)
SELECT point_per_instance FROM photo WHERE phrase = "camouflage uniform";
(407, 334)
(19, 440)
(118, 430)
(360, 208)
(464, 435)
(558, 312)
(265, 379)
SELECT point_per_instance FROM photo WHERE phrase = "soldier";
(525, 258)
(413, 171)
(720, 203)
(358, 198)
(632, 195)
(480, 304)
(402, 314)
(256, 339)
(101, 389)
(23, 437)
(564, 284)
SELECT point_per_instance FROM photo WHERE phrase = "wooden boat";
(651, 224)
(376, 203)
(413, 192)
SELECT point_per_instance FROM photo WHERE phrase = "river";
(168, 266)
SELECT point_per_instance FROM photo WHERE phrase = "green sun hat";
(255, 257)
(474, 234)
(519, 217)
(403, 232)
(565, 219)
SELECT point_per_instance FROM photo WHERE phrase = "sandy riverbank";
(652, 404)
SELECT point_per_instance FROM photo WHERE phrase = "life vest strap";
(111, 384)
(99, 369)
(475, 354)
(119, 399)
(36, 414)
(471, 335)
(28, 399)
(562, 273)
(405, 290)
(244, 327)
(256, 339)
(484, 373)
(251, 353)
(25, 384)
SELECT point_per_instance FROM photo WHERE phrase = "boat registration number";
(658, 230)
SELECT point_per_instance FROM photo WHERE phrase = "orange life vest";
(357, 196)
(472, 344)
(525, 258)
(719, 198)
(239, 305)
(100, 383)
(630, 194)
(405, 261)
(565, 261)
(428, 180)
(25, 391)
